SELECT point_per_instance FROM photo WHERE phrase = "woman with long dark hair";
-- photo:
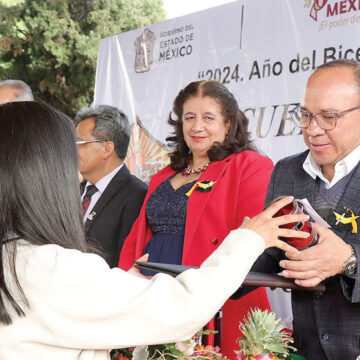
(215, 178)
(58, 300)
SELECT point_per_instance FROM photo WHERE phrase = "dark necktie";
(90, 191)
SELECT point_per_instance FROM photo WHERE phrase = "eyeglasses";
(326, 120)
(82, 142)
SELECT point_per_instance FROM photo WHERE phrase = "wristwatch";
(349, 268)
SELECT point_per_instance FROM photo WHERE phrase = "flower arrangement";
(264, 338)
(183, 350)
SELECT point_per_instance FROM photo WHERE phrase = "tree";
(52, 44)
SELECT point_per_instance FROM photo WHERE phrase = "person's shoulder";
(131, 181)
(46, 270)
(27, 251)
(250, 156)
(58, 254)
(293, 160)
(137, 183)
(40, 259)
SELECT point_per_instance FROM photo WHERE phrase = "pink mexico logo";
(332, 8)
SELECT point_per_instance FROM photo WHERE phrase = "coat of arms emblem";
(144, 46)
(315, 7)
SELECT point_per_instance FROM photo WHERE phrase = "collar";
(102, 184)
(342, 167)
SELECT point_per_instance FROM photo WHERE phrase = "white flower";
(140, 353)
(186, 347)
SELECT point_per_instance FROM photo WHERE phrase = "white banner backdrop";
(262, 50)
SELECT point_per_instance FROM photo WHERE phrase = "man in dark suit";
(327, 325)
(111, 196)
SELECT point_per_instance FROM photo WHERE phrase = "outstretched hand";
(269, 228)
(136, 271)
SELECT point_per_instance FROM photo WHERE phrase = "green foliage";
(183, 350)
(169, 352)
(165, 351)
(10, 2)
(264, 335)
(52, 44)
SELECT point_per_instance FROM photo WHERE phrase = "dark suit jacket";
(115, 212)
(326, 326)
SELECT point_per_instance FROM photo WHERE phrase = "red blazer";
(240, 187)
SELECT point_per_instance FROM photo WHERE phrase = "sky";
(175, 8)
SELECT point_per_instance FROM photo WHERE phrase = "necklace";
(187, 171)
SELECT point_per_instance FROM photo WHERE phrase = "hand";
(310, 266)
(137, 272)
(269, 228)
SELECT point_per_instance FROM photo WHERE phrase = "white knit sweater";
(80, 308)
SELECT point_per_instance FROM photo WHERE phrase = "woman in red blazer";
(215, 178)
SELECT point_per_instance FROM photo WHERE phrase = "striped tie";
(90, 191)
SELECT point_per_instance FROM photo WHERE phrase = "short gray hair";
(21, 89)
(345, 63)
(111, 124)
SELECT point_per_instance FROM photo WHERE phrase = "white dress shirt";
(101, 185)
(342, 167)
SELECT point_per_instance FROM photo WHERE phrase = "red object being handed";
(299, 243)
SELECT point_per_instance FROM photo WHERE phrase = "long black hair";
(238, 137)
(39, 188)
